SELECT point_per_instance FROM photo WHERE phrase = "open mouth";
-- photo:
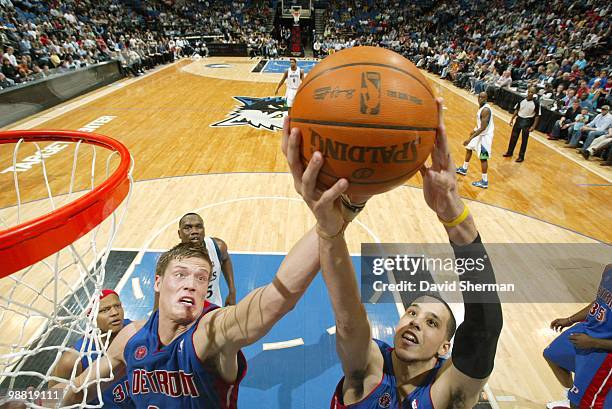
(116, 322)
(410, 338)
(187, 301)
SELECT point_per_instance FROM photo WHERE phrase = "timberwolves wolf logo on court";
(261, 113)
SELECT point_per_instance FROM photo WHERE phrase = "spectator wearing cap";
(597, 127)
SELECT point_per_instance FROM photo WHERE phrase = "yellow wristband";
(459, 219)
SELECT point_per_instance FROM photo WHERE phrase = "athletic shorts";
(561, 351)
(592, 370)
(473, 146)
(290, 96)
(592, 379)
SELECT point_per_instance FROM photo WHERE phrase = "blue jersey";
(599, 322)
(114, 395)
(385, 394)
(172, 376)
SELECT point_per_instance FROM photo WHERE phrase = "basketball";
(372, 115)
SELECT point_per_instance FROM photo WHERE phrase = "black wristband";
(355, 208)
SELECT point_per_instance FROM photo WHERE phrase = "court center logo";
(261, 113)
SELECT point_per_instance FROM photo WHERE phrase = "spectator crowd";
(43, 38)
(562, 47)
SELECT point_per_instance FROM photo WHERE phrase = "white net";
(296, 17)
(44, 307)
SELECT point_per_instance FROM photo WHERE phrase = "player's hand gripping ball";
(372, 115)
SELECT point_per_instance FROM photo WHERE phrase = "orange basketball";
(372, 115)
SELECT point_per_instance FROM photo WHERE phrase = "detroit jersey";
(115, 393)
(598, 322)
(385, 395)
(172, 376)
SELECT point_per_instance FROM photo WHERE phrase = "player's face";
(482, 98)
(110, 314)
(293, 64)
(421, 333)
(182, 289)
(191, 229)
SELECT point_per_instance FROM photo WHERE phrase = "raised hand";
(325, 205)
(439, 181)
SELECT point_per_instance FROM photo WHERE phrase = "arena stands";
(42, 38)
(562, 46)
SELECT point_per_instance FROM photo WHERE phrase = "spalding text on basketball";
(329, 148)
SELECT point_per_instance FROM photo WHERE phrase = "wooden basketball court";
(235, 177)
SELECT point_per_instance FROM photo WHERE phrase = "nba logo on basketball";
(141, 352)
(370, 93)
(385, 400)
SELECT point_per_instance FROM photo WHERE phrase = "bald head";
(482, 98)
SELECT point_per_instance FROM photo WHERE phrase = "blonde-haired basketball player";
(294, 76)
(480, 141)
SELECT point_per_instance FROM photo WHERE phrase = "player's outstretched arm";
(234, 327)
(476, 338)
(358, 354)
(237, 326)
(100, 368)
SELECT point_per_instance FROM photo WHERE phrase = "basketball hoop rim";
(36, 239)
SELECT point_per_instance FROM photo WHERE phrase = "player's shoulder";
(220, 243)
(130, 330)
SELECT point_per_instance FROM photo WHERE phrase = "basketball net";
(296, 17)
(48, 305)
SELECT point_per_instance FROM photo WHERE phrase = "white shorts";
(290, 96)
(474, 144)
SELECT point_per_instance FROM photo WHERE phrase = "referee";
(528, 111)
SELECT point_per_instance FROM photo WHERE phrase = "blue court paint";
(280, 66)
(301, 377)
